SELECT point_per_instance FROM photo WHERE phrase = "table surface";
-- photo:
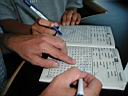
(27, 81)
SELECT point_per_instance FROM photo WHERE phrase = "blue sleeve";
(6, 10)
(75, 4)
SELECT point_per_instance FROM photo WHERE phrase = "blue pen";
(31, 6)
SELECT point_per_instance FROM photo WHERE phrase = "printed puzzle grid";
(96, 61)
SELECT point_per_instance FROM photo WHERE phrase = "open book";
(94, 49)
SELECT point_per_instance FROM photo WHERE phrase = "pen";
(31, 6)
(80, 90)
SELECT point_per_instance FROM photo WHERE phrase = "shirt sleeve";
(75, 4)
(6, 10)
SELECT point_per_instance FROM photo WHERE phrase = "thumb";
(37, 60)
(72, 75)
(44, 22)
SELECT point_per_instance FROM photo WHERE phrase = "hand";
(39, 27)
(71, 17)
(31, 47)
(60, 86)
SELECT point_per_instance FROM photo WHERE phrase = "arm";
(13, 26)
(31, 48)
(9, 20)
(10, 23)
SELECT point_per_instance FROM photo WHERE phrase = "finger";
(35, 32)
(85, 84)
(95, 84)
(78, 19)
(72, 75)
(56, 53)
(61, 45)
(64, 19)
(65, 49)
(47, 23)
(88, 77)
(69, 17)
(92, 82)
(74, 18)
(74, 84)
(56, 42)
(37, 60)
(41, 29)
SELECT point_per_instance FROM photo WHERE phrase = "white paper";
(88, 36)
(126, 72)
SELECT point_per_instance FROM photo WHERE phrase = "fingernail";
(68, 23)
(56, 24)
(40, 21)
(63, 24)
(77, 22)
(73, 23)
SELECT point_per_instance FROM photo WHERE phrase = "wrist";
(71, 8)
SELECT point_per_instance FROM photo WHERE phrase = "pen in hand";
(80, 90)
(31, 6)
(55, 29)
(34, 9)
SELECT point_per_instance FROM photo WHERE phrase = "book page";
(88, 36)
(126, 72)
(104, 63)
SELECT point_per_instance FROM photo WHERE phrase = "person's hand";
(31, 47)
(71, 17)
(61, 85)
(40, 27)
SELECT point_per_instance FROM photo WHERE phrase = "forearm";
(15, 27)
